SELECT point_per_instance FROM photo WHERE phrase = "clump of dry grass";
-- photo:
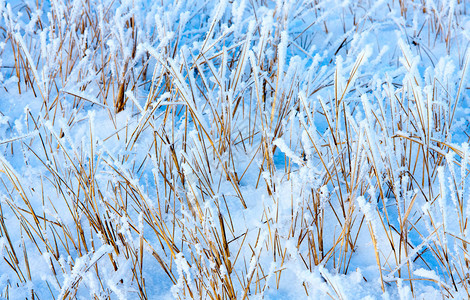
(232, 151)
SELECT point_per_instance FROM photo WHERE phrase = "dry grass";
(207, 149)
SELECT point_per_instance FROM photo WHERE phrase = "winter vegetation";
(247, 149)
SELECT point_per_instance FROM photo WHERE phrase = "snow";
(266, 149)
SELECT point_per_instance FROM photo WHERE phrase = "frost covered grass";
(234, 149)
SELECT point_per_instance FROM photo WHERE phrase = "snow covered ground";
(247, 149)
